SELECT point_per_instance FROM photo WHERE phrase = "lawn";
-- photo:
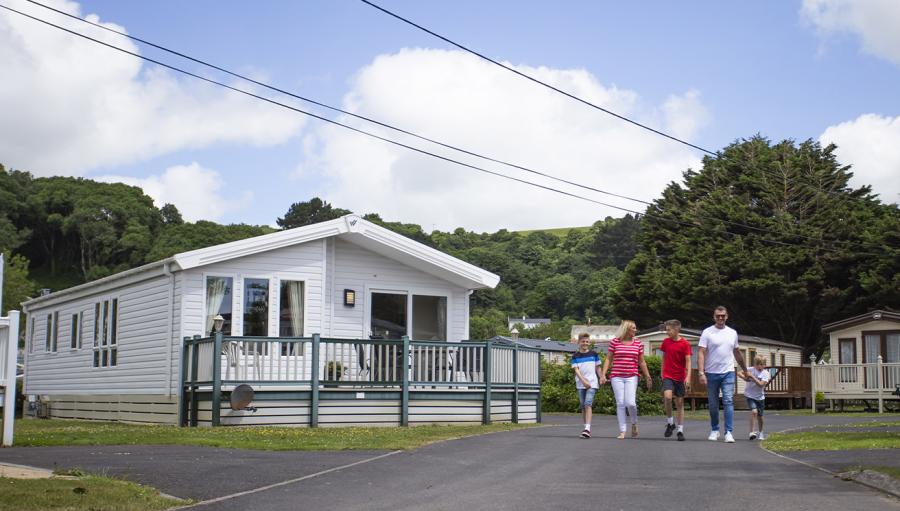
(57, 432)
(831, 441)
(82, 493)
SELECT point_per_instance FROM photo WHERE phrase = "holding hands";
(603, 379)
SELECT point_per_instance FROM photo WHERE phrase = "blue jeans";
(720, 382)
(586, 397)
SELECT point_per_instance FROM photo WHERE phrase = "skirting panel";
(118, 407)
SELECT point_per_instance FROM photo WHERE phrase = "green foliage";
(86, 493)
(311, 212)
(176, 238)
(776, 279)
(16, 286)
(558, 392)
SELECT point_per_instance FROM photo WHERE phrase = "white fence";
(857, 381)
(9, 347)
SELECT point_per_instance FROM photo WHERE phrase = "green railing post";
(182, 382)
(486, 419)
(404, 396)
(540, 390)
(195, 363)
(515, 399)
(217, 380)
(314, 384)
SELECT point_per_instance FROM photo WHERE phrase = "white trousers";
(625, 390)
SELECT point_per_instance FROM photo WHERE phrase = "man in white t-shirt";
(718, 350)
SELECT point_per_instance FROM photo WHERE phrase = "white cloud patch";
(876, 23)
(196, 191)
(70, 105)
(456, 98)
(871, 144)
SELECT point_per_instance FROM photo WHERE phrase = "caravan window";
(218, 302)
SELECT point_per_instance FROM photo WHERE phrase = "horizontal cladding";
(141, 408)
(141, 344)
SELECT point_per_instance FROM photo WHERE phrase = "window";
(846, 351)
(392, 318)
(75, 337)
(772, 359)
(256, 307)
(886, 344)
(751, 358)
(105, 346)
(290, 317)
(31, 344)
(388, 320)
(218, 302)
(429, 318)
(51, 341)
(782, 360)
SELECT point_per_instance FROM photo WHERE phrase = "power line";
(407, 132)
(576, 98)
(406, 146)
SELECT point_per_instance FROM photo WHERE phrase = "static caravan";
(343, 305)
(865, 358)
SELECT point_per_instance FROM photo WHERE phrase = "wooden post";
(9, 393)
(812, 380)
(879, 380)
(314, 384)
(515, 399)
(195, 363)
(404, 396)
(486, 412)
(217, 380)
(185, 354)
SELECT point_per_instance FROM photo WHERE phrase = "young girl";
(626, 353)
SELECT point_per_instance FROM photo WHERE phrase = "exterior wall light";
(349, 297)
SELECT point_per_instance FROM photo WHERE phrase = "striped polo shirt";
(625, 357)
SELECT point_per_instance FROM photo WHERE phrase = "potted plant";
(820, 401)
(334, 371)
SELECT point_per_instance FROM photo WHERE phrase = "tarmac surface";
(547, 467)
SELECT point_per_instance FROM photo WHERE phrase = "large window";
(388, 320)
(291, 315)
(218, 302)
(429, 321)
(392, 318)
(106, 323)
(256, 307)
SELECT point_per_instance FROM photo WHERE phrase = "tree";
(171, 215)
(305, 213)
(16, 286)
(809, 249)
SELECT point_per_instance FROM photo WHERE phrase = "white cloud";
(876, 22)
(70, 105)
(194, 190)
(871, 143)
(457, 98)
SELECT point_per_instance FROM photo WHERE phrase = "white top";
(754, 391)
(720, 344)
(587, 364)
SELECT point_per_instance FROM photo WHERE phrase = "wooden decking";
(790, 384)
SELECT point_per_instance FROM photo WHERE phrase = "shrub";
(558, 391)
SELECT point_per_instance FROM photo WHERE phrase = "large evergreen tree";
(774, 232)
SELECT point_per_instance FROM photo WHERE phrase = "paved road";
(540, 468)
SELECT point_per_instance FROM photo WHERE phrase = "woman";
(626, 353)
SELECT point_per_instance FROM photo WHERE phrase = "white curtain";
(215, 294)
(295, 296)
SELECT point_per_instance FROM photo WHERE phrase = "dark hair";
(674, 323)
(582, 335)
(721, 308)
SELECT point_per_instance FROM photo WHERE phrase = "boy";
(757, 378)
(676, 375)
(586, 362)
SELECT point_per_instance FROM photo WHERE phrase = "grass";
(891, 471)
(85, 493)
(831, 441)
(561, 231)
(35, 433)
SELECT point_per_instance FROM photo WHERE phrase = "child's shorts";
(756, 404)
(586, 397)
(677, 387)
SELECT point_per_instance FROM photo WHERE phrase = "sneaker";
(729, 439)
(753, 435)
(762, 436)
(680, 436)
(669, 429)
(585, 434)
(713, 436)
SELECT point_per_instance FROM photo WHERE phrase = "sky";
(710, 73)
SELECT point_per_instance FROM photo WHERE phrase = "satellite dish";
(241, 396)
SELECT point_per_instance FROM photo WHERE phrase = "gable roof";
(876, 315)
(351, 228)
(541, 344)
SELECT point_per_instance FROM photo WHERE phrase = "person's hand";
(602, 379)
(586, 383)
(743, 375)
(649, 384)
(703, 378)
(687, 385)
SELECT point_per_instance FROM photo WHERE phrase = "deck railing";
(214, 364)
(877, 380)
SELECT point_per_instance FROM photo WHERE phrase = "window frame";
(410, 292)
(105, 344)
(840, 352)
(76, 325)
(237, 318)
(882, 344)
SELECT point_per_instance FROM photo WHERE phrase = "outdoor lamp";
(218, 323)
(349, 297)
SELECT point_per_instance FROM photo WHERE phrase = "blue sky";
(711, 72)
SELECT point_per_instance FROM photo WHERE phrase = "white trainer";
(762, 436)
(729, 439)
(713, 436)
(753, 435)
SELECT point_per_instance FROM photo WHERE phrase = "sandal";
(621, 436)
(634, 431)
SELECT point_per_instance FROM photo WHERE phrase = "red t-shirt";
(673, 359)
(625, 361)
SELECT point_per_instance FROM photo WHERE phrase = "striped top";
(625, 358)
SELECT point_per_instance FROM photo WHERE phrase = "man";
(718, 351)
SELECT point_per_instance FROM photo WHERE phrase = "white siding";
(141, 341)
(362, 270)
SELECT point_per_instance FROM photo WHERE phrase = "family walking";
(718, 350)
